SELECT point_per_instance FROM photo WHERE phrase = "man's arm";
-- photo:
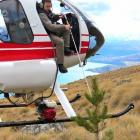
(48, 24)
(56, 17)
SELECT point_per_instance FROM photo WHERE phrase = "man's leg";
(66, 37)
(59, 43)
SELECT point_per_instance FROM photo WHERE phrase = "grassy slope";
(122, 87)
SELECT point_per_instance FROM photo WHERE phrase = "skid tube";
(77, 97)
(34, 122)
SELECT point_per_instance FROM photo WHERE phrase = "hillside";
(122, 87)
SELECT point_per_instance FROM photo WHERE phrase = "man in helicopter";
(59, 33)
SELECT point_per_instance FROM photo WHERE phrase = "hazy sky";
(116, 18)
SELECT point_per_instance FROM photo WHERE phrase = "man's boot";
(62, 69)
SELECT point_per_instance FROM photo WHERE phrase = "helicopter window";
(3, 29)
(14, 25)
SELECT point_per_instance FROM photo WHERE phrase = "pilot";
(59, 33)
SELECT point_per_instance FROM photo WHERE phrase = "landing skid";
(74, 99)
(23, 123)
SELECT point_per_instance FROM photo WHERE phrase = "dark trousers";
(60, 41)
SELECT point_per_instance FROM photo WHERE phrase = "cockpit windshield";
(14, 25)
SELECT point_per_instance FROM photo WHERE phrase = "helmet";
(43, 1)
(41, 5)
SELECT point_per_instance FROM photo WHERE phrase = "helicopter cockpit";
(58, 8)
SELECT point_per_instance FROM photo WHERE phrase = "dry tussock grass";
(126, 128)
(122, 87)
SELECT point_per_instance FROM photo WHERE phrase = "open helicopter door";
(79, 40)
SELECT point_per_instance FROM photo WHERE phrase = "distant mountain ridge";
(116, 59)
(115, 62)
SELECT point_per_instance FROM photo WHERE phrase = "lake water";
(76, 73)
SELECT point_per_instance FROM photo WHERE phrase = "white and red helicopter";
(27, 55)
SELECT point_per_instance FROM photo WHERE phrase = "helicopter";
(27, 55)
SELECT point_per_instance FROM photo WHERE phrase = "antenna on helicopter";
(62, 4)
